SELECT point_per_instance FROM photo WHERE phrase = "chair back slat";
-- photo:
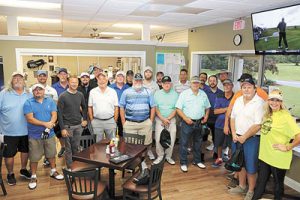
(156, 173)
(87, 140)
(134, 138)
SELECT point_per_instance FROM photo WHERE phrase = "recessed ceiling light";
(137, 26)
(45, 34)
(42, 20)
(115, 33)
(30, 4)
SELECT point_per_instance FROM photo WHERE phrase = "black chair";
(84, 184)
(87, 140)
(2, 145)
(152, 190)
(134, 139)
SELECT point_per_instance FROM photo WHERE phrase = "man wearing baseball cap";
(129, 77)
(193, 107)
(14, 126)
(97, 69)
(148, 82)
(165, 99)
(85, 87)
(41, 136)
(119, 86)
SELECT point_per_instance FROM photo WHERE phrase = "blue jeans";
(186, 132)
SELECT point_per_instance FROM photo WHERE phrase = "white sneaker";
(183, 168)
(150, 155)
(170, 161)
(201, 165)
(32, 184)
(210, 147)
(157, 160)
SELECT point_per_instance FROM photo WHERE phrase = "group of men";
(134, 103)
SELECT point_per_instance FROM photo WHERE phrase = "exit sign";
(238, 25)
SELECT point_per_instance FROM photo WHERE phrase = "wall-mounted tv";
(277, 31)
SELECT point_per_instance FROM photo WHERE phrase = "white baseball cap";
(37, 85)
(84, 74)
(121, 73)
(18, 73)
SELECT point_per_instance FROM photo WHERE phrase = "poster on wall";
(1, 74)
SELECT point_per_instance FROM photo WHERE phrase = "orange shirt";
(260, 92)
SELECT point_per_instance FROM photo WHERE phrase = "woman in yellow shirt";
(275, 150)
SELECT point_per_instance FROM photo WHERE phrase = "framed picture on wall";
(50, 59)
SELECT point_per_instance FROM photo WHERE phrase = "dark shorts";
(219, 137)
(15, 144)
(57, 131)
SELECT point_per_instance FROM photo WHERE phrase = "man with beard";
(42, 76)
(137, 111)
(148, 82)
(103, 109)
(212, 92)
(71, 119)
(129, 77)
(159, 76)
(203, 79)
(61, 86)
(41, 115)
(119, 86)
(85, 87)
(13, 125)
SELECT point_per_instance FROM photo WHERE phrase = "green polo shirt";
(165, 101)
(193, 106)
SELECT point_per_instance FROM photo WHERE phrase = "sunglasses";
(275, 100)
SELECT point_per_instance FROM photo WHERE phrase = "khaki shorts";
(38, 148)
(143, 128)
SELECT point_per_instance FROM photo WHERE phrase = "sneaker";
(249, 195)
(150, 155)
(157, 160)
(183, 168)
(225, 157)
(279, 47)
(237, 190)
(233, 183)
(210, 147)
(230, 176)
(286, 48)
(61, 152)
(217, 163)
(46, 162)
(200, 165)
(33, 183)
(170, 161)
(56, 175)
(25, 174)
(11, 180)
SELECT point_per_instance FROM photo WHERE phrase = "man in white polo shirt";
(246, 119)
(103, 109)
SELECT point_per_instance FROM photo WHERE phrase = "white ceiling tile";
(173, 2)
(157, 7)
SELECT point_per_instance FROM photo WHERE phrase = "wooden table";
(95, 154)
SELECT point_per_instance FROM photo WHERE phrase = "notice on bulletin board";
(160, 58)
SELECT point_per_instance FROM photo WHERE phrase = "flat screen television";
(277, 31)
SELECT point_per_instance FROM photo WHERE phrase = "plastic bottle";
(112, 147)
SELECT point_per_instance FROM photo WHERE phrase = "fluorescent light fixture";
(31, 4)
(137, 26)
(117, 38)
(42, 20)
(115, 33)
(45, 34)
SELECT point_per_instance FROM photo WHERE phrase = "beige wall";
(7, 50)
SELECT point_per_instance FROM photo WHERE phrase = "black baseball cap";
(63, 70)
(166, 79)
(138, 76)
(129, 72)
(245, 76)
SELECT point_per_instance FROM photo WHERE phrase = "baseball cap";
(129, 72)
(276, 94)
(247, 80)
(17, 73)
(195, 79)
(227, 81)
(63, 70)
(39, 72)
(148, 68)
(97, 66)
(38, 85)
(120, 73)
(166, 79)
(245, 76)
(222, 71)
(84, 74)
(102, 74)
(138, 76)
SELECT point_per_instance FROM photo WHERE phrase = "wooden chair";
(2, 145)
(85, 142)
(84, 184)
(134, 139)
(152, 190)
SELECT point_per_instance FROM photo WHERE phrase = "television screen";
(277, 31)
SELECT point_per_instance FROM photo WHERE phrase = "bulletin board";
(170, 64)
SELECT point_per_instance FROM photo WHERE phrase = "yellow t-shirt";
(279, 129)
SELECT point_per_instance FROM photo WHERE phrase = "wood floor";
(196, 184)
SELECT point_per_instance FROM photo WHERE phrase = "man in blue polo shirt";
(60, 87)
(13, 125)
(193, 107)
(41, 115)
(119, 86)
